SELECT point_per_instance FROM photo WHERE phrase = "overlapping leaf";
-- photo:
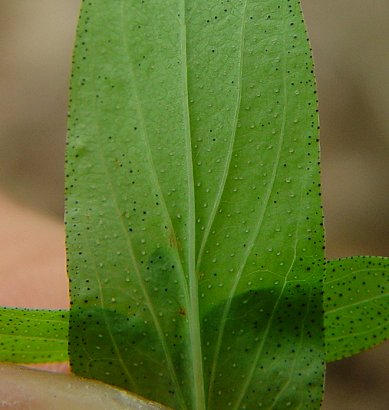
(33, 336)
(356, 304)
(193, 210)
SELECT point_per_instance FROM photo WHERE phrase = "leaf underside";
(33, 336)
(356, 296)
(194, 227)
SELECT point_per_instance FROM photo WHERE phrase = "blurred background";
(350, 39)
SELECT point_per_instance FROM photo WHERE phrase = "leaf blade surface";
(192, 197)
(128, 219)
(33, 336)
(258, 213)
(355, 305)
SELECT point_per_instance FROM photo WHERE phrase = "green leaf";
(193, 211)
(33, 336)
(356, 305)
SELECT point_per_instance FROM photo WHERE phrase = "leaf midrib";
(194, 311)
(359, 302)
(355, 334)
(353, 272)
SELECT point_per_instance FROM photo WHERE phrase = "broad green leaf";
(193, 211)
(33, 336)
(356, 305)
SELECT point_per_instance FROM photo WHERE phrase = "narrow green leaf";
(356, 296)
(33, 336)
(193, 210)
